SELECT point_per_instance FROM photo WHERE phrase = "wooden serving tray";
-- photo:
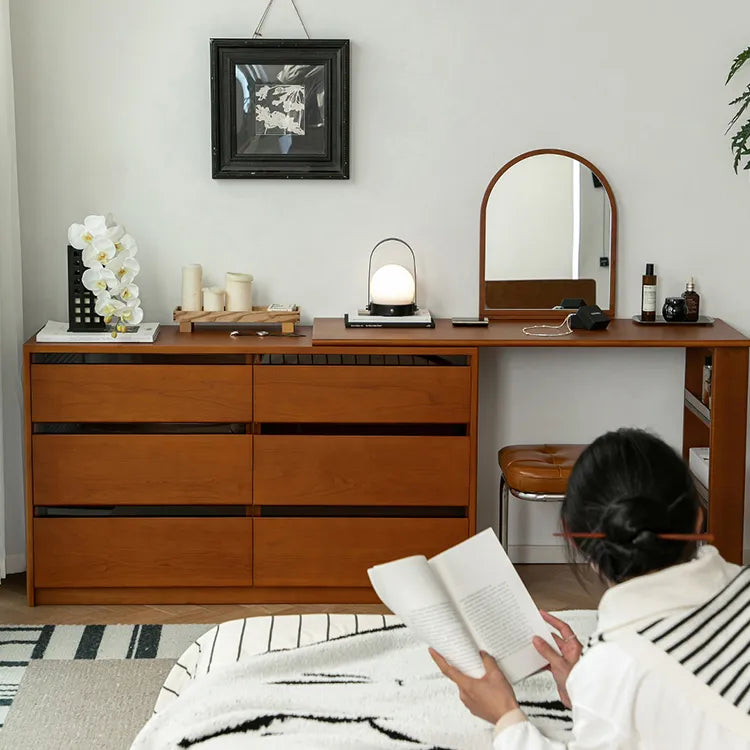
(188, 318)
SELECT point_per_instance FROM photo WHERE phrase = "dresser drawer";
(141, 393)
(302, 393)
(132, 552)
(361, 470)
(142, 469)
(338, 551)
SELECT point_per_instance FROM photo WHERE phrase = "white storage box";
(698, 462)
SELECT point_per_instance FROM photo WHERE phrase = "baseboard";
(537, 553)
(15, 564)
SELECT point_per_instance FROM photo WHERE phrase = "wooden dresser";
(203, 468)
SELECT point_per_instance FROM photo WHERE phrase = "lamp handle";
(413, 261)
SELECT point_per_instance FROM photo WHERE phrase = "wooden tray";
(259, 315)
(703, 320)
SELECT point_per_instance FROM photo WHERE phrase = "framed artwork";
(280, 108)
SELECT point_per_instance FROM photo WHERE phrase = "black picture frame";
(280, 108)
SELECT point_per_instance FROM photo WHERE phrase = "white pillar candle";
(213, 299)
(192, 276)
(239, 295)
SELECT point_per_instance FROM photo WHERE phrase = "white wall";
(113, 114)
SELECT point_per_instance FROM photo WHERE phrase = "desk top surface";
(331, 333)
(621, 332)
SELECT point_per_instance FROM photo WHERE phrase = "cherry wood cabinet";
(204, 468)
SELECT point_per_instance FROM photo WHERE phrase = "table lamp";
(392, 289)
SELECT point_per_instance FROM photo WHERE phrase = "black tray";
(703, 320)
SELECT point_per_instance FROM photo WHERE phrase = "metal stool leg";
(504, 499)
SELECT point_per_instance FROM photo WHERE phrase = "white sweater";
(667, 646)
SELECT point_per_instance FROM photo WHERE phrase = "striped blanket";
(327, 681)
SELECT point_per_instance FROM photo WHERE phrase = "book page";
(495, 605)
(413, 592)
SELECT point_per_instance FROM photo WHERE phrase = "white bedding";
(326, 681)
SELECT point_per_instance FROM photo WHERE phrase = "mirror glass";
(548, 232)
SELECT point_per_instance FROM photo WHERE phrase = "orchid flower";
(124, 268)
(98, 280)
(80, 235)
(99, 252)
(126, 245)
(132, 313)
(108, 307)
(126, 292)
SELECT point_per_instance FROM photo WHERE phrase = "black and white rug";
(22, 644)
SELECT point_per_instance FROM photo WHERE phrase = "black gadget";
(572, 303)
(590, 318)
(470, 321)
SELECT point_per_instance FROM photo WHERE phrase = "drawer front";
(141, 393)
(302, 393)
(142, 469)
(338, 551)
(361, 470)
(132, 552)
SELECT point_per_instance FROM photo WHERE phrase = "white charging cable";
(533, 330)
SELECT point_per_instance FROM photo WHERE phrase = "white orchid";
(127, 245)
(124, 268)
(126, 292)
(93, 227)
(80, 235)
(99, 252)
(132, 313)
(99, 280)
(109, 256)
(108, 307)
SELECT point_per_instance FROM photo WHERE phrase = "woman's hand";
(570, 648)
(489, 697)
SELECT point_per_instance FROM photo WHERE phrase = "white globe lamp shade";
(392, 290)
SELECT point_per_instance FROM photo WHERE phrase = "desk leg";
(727, 464)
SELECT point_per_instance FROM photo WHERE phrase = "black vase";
(674, 309)
(81, 301)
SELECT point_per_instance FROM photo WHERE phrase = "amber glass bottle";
(692, 302)
(648, 294)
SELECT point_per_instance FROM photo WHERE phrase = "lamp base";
(391, 310)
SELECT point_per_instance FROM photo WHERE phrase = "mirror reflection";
(547, 223)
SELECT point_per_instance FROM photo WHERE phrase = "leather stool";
(538, 473)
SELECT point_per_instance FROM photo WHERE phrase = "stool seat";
(541, 469)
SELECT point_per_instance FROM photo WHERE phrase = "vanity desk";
(723, 429)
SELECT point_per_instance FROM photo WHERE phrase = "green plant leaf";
(738, 62)
(745, 99)
(741, 144)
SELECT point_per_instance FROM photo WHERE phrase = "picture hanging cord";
(529, 330)
(257, 33)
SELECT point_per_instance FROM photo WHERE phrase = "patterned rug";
(22, 644)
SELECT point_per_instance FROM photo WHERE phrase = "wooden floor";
(552, 587)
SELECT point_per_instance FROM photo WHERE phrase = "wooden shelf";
(697, 407)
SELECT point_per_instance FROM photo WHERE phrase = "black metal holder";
(81, 301)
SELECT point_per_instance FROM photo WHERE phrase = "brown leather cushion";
(538, 468)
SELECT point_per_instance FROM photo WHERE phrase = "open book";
(466, 599)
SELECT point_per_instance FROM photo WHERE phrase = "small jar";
(674, 309)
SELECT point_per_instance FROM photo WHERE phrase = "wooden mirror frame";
(497, 313)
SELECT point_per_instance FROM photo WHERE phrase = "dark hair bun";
(631, 486)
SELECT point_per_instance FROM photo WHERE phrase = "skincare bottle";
(648, 294)
(692, 302)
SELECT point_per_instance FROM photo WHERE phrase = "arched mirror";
(548, 232)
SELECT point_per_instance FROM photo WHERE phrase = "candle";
(239, 292)
(191, 286)
(213, 299)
